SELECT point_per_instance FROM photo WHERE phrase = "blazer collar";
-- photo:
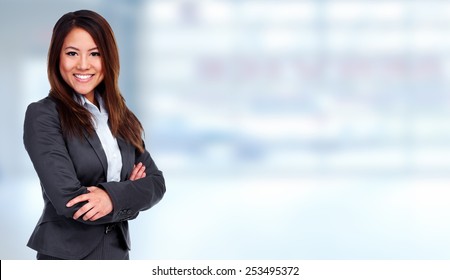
(126, 151)
(98, 148)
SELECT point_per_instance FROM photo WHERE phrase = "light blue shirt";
(109, 142)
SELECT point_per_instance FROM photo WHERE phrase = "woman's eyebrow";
(74, 48)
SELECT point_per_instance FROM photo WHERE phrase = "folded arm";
(109, 201)
(97, 201)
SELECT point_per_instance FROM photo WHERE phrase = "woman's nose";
(83, 63)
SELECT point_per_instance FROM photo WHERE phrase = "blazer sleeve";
(46, 147)
(131, 197)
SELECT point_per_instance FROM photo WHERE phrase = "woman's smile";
(83, 78)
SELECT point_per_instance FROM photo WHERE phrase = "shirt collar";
(83, 101)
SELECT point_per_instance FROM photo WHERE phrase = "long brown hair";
(74, 117)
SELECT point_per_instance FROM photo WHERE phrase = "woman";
(87, 149)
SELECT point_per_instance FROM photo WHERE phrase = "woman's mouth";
(84, 77)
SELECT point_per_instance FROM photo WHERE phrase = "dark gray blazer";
(65, 167)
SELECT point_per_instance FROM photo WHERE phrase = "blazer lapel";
(98, 148)
(127, 152)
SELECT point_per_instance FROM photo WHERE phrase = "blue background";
(285, 129)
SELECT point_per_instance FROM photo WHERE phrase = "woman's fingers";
(82, 211)
(138, 172)
(98, 204)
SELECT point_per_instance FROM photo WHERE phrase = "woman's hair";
(74, 117)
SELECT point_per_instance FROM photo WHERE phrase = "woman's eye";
(71, 53)
(95, 54)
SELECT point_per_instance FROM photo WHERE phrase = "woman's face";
(81, 63)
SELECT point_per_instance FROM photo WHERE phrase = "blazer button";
(109, 228)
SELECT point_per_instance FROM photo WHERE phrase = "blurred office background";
(286, 129)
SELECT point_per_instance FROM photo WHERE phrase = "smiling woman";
(80, 63)
(87, 149)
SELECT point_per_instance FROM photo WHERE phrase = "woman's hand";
(138, 172)
(98, 204)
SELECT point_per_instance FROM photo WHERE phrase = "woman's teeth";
(83, 77)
